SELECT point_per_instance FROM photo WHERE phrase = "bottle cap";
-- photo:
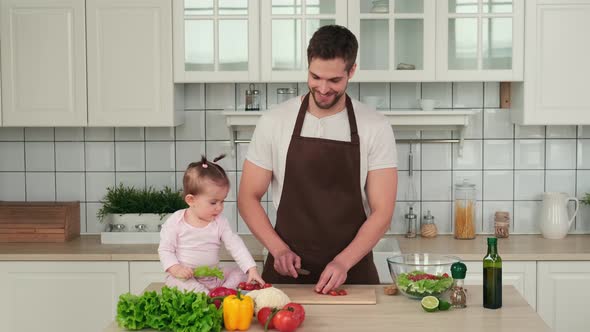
(458, 270)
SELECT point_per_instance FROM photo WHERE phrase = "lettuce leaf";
(171, 310)
(206, 271)
(423, 287)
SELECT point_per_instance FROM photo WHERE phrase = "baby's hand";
(254, 276)
(181, 272)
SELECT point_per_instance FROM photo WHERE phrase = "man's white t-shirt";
(270, 142)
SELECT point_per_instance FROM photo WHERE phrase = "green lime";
(443, 305)
(429, 303)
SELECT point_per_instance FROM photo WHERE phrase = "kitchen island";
(398, 313)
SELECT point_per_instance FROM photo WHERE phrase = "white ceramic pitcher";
(555, 223)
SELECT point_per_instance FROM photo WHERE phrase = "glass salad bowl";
(420, 275)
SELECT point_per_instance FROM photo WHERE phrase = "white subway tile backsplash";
(498, 185)
(187, 152)
(561, 131)
(561, 154)
(497, 124)
(403, 186)
(160, 156)
(475, 128)
(130, 156)
(436, 185)
(13, 186)
(529, 154)
(498, 154)
(194, 96)
(216, 149)
(472, 155)
(67, 134)
(561, 181)
(40, 186)
(12, 134)
(375, 94)
(40, 156)
(510, 165)
(216, 126)
(489, 214)
(491, 94)
(474, 177)
(13, 157)
(529, 131)
(441, 92)
(70, 186)
(100, 156)
(97, 184)
(436, 156)
(526, 217)
(130, 134)
(583, 154)
(159, 180)
(468, 95)
(441, 211)
(99, 134)
(403, 156)
(528, 185)
(131, 179)
(220, 96)
(193, 128)
(405, 95)
(159, 134)
(39, 134)
(69, 156)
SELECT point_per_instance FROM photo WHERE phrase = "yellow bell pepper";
(238, 311)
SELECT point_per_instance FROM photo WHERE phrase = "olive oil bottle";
(492, 276)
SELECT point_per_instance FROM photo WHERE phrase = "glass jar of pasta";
(465, 200)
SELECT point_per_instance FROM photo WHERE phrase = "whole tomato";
(285, 321)
(263, 315)
(297, 310)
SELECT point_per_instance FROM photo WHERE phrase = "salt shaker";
(411, 219)
(252, 98)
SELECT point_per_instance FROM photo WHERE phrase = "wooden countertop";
(403, 314)
(515, 248)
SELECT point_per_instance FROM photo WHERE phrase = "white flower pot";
(133, 222)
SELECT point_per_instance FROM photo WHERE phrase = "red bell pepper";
(218, 293)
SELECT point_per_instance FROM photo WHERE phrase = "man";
(332, 162)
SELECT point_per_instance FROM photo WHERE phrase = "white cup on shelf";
(427, 104)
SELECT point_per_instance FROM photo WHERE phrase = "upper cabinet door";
(43, 63)
(480, 40)
(216, 41)
(396, 39)
(130, 80)
(286, 27)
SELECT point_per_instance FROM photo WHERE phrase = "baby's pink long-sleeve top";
(181, 243)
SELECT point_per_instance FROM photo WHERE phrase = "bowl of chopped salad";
(420, 275)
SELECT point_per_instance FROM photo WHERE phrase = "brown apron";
(321, 207)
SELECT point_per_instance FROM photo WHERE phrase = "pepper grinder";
(252, 98)
(411, 219)
(458, 295)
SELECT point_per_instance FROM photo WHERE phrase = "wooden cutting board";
(307, 295)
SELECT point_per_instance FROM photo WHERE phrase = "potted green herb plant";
(131, 209)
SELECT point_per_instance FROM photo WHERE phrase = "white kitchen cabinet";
(555, 88)
(563, 295)
(43, 63)
(521, 275)
(141, 274)
(391, 35)
(480, 40)
(286, 27)
(130, 78)
(216, 41)
(60, 296)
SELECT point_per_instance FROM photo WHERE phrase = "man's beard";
(326, 106)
